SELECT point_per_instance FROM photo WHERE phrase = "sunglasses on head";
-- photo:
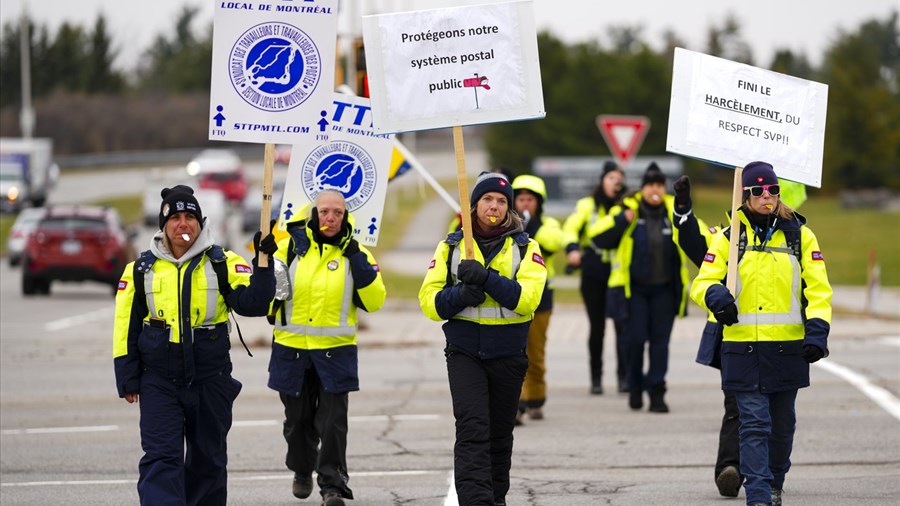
(757, 191)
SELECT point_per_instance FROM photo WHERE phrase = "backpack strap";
(219, 261)
(142, 265)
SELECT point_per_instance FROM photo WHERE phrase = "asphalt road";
(67, 438)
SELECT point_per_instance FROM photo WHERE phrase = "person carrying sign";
(648, 283)
(775, 325)
(487, 303)
(324, 276)
(171, 350)
(595, 265)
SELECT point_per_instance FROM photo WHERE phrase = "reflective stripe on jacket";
(577, 225)
(499, 326)
(783, 304)
(614, 223)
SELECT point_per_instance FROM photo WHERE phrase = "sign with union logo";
(272, 70)
(355, 161)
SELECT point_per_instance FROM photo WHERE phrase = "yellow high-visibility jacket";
(317, 325)
(783, 304)
(499, 326)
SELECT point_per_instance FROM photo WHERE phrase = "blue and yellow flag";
(399, 165)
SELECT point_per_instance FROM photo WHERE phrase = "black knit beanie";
(179, 198)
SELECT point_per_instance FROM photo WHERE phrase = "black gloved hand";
(351, 248)
(728, 315)
(812, 353)
(682, 187)
(267, 245)
(471, 272)
(570, 268)
(471, 295)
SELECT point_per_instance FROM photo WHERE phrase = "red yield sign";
(623, 134)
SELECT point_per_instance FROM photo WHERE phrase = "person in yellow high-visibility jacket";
(648, 284)
(776, 324)
(595, 267)
(530, 193)
(171, 350)
(324, 276)
(487, 303)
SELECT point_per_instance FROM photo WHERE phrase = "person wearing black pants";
(487, 297)
(595, 270)
(484, 438)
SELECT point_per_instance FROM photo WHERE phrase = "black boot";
(596, 386)
(636, 399)
(657, 404)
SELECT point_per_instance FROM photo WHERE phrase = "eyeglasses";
(757, 191)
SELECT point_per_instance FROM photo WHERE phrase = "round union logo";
(274, 66)
(342, 166)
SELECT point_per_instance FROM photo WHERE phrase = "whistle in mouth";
(186, 237)
(493, 219)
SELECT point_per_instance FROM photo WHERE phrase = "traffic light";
(361, 83)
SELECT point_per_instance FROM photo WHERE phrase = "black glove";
(471, 272)
(812, 353)
(728, 315)
(570, 268)
(471, 295)
(682, 187)
(267, 245)
(351, 248)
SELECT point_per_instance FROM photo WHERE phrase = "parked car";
(76, 243)
(19, 232)
(220, 169)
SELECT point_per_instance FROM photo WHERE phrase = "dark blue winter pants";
(172, 415)
(651, 315)
(768, 422)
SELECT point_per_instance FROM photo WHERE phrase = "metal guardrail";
(157, 157)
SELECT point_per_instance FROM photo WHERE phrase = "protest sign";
(731, 114)
(450, 67)
(354, 161)
(272, 70)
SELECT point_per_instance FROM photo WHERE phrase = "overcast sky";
(807, 26)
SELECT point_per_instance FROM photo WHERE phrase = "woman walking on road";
(487, 303)
(775, 325)
(595, 267)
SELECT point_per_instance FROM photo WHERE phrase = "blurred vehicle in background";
(252, 206)
(220, 169)
(76, 243)
(27, 172)
(283, 154)
(25, 223)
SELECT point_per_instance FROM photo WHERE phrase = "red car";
(76, 243)
(220, 169)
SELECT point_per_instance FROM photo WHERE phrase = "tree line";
(88, 105)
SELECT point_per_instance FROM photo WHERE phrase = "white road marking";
(231, 477)
(106, 313)
(451, 499)
(59, 430)
(891, 341)
(879, 395)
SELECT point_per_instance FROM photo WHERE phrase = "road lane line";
(231, 478)
(451, 499)
(881, 396)
(891, 341)
(106, 313)
(59, 430)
